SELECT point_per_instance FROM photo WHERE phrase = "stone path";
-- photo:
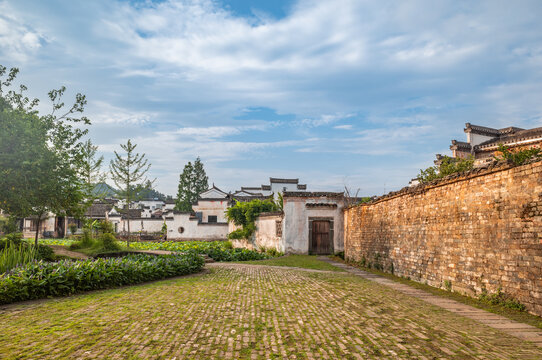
(63, 251)
(238, 311)
(517, 329)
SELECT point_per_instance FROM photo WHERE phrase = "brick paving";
(237, 311)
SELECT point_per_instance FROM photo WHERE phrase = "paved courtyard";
(250, 312)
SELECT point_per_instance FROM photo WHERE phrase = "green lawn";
(300, 261)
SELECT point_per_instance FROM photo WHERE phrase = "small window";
(212, 219)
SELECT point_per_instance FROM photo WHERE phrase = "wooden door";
(321, 238)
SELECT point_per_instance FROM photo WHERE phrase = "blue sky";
(356, 93)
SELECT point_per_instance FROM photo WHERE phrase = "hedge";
(40, 279)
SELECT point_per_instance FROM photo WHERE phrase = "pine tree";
(128, 173)
(192, 182)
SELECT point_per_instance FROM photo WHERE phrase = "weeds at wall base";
(497, 303)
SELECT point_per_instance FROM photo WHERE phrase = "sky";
(339, 93)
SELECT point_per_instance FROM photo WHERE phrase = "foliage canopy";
(192, 182)
(40, 155)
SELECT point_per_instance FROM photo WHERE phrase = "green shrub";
(85, 241)
(236, 255)
(518, 157)
(500, 298)
(272, 252)
(40, 280)
(108, 242)
(45, 253)
(448, 166)
(340, 254)
(105, 227)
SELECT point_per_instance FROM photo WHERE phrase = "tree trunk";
(129, 233)
(37, 231)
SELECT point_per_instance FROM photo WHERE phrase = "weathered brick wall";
(480, 230)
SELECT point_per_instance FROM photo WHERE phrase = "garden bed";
(38, 280)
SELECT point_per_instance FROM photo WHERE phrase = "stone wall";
(481, 230)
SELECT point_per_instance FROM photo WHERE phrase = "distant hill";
(104, 190)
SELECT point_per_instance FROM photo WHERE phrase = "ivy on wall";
(244, 214)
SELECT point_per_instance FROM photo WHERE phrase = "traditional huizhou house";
(211, 206)
(310, 223)
(313, 222)
(483, 142)
(276, 186)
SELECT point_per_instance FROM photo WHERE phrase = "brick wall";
(475, 231)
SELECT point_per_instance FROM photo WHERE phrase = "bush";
(518, 157)
(236, 255)
(108, 242)
(245, 213)
(86, 241)
(45, 253)
(40, 280)
(340, 254)
(448, 166)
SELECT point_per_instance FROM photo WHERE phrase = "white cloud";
(344, 127)
(17, 41)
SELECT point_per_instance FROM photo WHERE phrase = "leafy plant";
(244, 214)
(13, 255)
(500, 298)
(38, 280)
(447, 167)
(108, 242)
(517, 157)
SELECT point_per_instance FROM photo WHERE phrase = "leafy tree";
(447, 167)
(40, 155)
(128, 173)
(91, 173)
(244, 214)
(193, 181)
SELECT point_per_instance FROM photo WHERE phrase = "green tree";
(90, 172)
(128, 173)
(193, 181)
(40, 155)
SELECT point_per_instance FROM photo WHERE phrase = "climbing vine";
(244, 214)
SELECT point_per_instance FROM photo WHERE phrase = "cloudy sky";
(356, 93)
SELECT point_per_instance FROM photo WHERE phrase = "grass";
(300, 261)
(513, 314)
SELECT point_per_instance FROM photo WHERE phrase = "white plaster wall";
(144, 225)
(216, 208)
(296, 223)
(277, 188)
(265, 235)
(193, 230)
(475, 139)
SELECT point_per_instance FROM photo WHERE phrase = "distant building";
(276, 186)
(482, 142)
